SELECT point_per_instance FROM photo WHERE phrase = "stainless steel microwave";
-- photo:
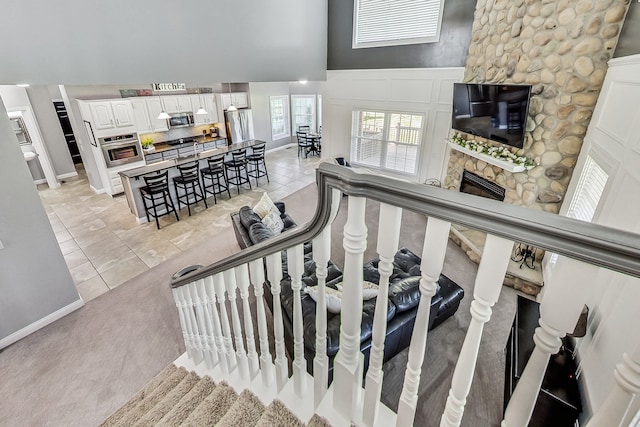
(180, 120)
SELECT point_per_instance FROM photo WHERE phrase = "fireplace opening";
(477, 185)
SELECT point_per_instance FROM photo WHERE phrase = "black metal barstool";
(237, 164)
(256, 159)
(189, 183)
(156, 192)
(216, 174)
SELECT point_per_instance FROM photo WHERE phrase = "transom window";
(398, 22)
(279, 106)
(387, 140)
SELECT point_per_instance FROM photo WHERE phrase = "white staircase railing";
(205, 296)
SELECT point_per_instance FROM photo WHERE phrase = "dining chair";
(303, 143)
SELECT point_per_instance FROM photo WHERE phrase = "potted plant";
(147, 144)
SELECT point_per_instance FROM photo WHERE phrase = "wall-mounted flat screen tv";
(497, 112)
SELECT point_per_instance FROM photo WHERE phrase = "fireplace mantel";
(511, 167)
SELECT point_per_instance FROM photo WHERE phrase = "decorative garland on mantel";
(500, 153)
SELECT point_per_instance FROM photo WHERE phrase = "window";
(303, 111)
(389, 23)
(279, 106)
(588, 191)
(387, 140)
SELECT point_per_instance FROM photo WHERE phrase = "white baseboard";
(100, 191)
(282, 147)
(27, 330)
(39, 181)
(67, 175)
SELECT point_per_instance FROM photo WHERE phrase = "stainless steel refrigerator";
(239, 125)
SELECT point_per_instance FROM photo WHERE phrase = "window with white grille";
(279, 106)
(387, 140)
(398, 22)
(588, 191)
(303, 111)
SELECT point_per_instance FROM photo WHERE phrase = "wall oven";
(121, 149)
(180, 120)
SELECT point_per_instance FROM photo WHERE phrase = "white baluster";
(241, 354)
(562, 302)
(212, 314)
(177, 297)
(321, 256)
(488, 284)
(295, 266)
(433, 253)
(274, 273)
(257, 278)
(348, 363)
(192, 324)
(242, 277)
(387, 246)
(206, 339)
(627, 386)
(220, 289)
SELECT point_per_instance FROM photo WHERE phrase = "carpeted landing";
(176, 397)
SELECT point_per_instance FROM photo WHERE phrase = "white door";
(123, 113)
(240, 99)
(184, 103)
(171, 104)
(141, 115)
(211, 107)
(154, 106)
(102, 115)
(225, 100)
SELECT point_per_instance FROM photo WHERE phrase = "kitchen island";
(132, 179)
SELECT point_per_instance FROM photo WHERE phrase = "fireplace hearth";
(479, 186)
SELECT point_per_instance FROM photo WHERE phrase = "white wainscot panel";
(411, 90)
(619, 113)
(620, 209)
(445, 91)
(368, 89)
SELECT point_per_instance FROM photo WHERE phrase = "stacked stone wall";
(561, 49)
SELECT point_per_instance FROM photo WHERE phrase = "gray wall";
(260, 108)
(450, 51)
(124, 41)
(629, 41)
(51, 130)
(34, 279)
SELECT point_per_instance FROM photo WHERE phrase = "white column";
(220, 288)
(212, 313)
(193, 338)
(321, 254)
(348, 363)
(177, 297)
(433, 254)
(257, 278)
(388, 237)
(274, 273)
(488, 284)
(295, 264)
(627, 386)
(566, 291)
(205, 332)
(241, 354)
(242, 277)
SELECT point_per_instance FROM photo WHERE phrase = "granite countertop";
(167, 164)
(173, 144)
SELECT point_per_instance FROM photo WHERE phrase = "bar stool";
(216, 174)
(156, 192)
(189, 183)
(256, 159)
(237, 164)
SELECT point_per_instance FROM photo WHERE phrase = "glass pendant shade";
(163, 115)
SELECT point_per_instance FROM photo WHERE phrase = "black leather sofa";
(404, 294)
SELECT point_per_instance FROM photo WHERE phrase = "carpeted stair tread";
(245, 412)
(152, 398)
(170, 400)
(213, 407)
(277, 414)
(139, 396)
(318, 421)
(188, 403)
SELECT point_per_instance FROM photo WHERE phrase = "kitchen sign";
(168, 87)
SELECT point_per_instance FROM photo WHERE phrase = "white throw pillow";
(273, 222)
(264, 206)
(332, 297)
(369, 290)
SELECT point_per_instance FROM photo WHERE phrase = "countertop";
(170, 145)
(166, 164)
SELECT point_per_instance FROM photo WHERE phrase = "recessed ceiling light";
(23, 85)
(302, 82)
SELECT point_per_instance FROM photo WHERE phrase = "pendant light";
(163, 114)
(201, 111)
(231, 106)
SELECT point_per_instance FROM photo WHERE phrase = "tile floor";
(104, 246)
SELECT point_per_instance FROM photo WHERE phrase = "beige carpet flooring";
(81, 369)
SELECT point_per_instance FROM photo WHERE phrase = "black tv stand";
(558, 402)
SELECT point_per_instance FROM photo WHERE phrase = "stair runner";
(176, 397)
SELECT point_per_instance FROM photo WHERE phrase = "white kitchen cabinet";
(154, 107)
(111, 115)
(123, 113)
(239, 100)
(141, 115)
(212, 108)
(207, 101)
(177, 104)
(102, 115)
